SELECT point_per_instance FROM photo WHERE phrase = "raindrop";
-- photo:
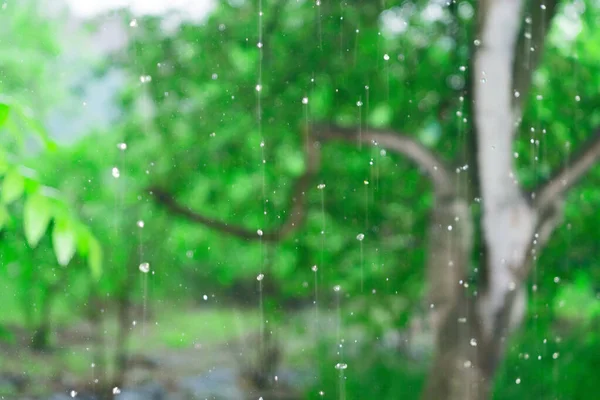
(73, 393)
(337, 288)
(115, 172)
(577, 98)
(140, 224)
(314, 268)
(145, 267)
(133, 23)
(477, 42)
(305, 100)
(359, 103)
(205, 297)
(555, 356)
(386, 57)
(518, 381)
(145, 78)
(214, 77)
(260, 277)
(360, 237)
(258, 88)
(122, 146)
(467, 364)
(321, 186)
(449, 227)
(463, 68)
(259, 45)
(516, 155)
(259, 232)
(473, 342)
(116, 390)
(341, 366)
(262, 143)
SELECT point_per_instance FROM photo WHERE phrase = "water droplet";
(449, 227)
(122, 146)
(543, 6)
(516, 155)
(477, 42)
(145, 78)
(386, 57)
(366, 182)
(359, 103)
(214, 77)
(314, 268)
(73, 393)
(260, 277)
(133, 23)
(258, 88)
(517, 94)
(305, 100)
(555, 355)
(462, 68)
(262, 143)
(341, 366)
(360, 237)
(205, 297)
(115, 172)
(337, 288)
(321, 186)
(259, 232)
(556, 279)
(473, 342)
(116, 390)
(577, 98)
(518, 381)
(467, 364)
(259, 45)
(145, 267)
(140, 224)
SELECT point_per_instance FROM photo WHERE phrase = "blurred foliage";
(193, 122)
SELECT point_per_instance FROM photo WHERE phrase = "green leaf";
(4, 111)
(4, 217)
(95, 257)
(36, 215)
(63, 241)
(12, 187)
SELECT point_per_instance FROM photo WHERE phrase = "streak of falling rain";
(144, 268)
(360, 237)
(263, 160)
(341, 366)
(319, 23)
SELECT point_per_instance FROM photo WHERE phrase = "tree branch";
(390, 140)
(569, 175)
(296, 214)
(398, 143)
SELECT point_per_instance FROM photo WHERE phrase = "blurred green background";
(97, 110)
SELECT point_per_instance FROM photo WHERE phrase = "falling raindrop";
(140, 224)
(122, 146)
(314, 268)
(258, 88)
(115, 172)
(116, 390)
(321, 186)
(386, 57)
(260, 277)
(360, 237)
(341, 366)
(259, 232)
(145, 267)
(337, 288)
(73, 393)
(305, 100)
(133, 23)
(473, 342)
